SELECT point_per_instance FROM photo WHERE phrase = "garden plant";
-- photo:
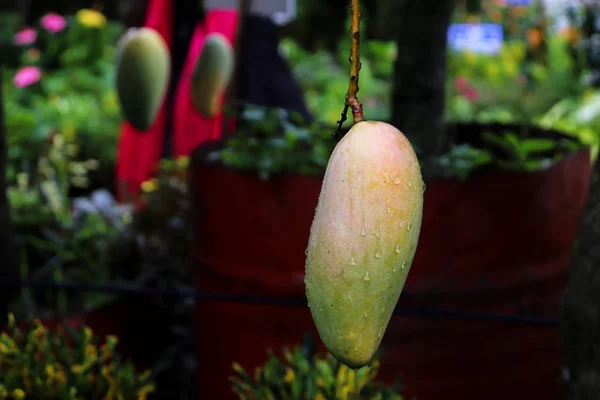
(515, 128)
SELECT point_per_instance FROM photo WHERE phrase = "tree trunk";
(418, 98)
(8, 265)
(580, 308)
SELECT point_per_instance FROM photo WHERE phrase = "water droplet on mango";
(368, 151)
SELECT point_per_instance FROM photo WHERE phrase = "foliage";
(74, 95)
(273, 140)
(36, 363)
(154, 247)
(323, 76)
(535, 80)
(505, 87)
(63, 238)
(508, 150)
(304, 374)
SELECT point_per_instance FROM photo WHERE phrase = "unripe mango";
(363, 239)
(143, 66)
(212, 73)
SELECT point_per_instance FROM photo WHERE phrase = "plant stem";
(351, 99)
(354, 59)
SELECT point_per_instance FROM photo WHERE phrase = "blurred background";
(169, 264)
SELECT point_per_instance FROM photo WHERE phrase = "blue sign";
(476, 38)
(517, 2)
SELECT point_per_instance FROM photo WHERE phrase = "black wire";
(279, 301)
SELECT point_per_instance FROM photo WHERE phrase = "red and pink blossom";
(471, 94)
(27, 76)
(25, 36)
(53, 22)
(461, 83)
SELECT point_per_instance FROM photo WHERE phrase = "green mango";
(212, 73)
(363, 239)
(143, 66)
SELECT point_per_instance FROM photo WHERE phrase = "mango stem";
(354, 59)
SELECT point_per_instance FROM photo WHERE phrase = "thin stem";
(351, 100)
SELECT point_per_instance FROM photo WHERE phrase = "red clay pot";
(499, 242)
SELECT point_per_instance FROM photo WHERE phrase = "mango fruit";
(143, 66)
(212, 73)
(363, 239)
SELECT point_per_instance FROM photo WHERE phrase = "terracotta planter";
(499, 242)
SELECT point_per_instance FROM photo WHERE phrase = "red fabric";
(190, 129)
(140, 152)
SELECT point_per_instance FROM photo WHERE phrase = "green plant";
(159, 236)
(63, 238)
(73, 96)
(68, 364)
(303, 374)
(273, 140)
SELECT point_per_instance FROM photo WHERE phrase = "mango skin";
(363, 239)
(212, 73)
(143, 66)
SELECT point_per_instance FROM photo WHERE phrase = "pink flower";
(461, 84)
(27, 76)
(471, 94)
(53, 23)
(25, 37)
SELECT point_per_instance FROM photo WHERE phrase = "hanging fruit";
(212, 73)
(365, 231)
(143, 66)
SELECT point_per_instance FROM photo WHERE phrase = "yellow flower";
(319, 396)
(511, 67)
(144, 391)
(50, 372)
(492, 70)
(91, 352)
(91, 18)
(183, 161)
(289, 376)
(18, 394)
(149, 185)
